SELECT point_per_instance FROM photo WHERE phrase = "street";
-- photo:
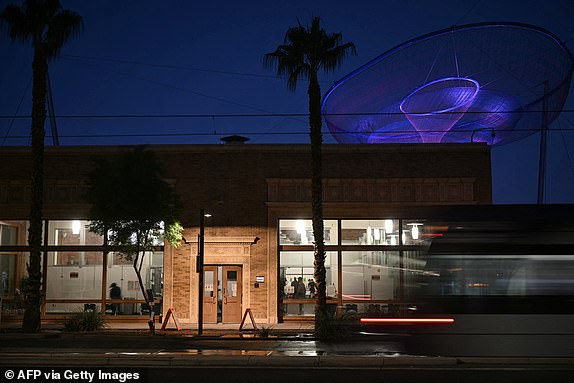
(233, 359)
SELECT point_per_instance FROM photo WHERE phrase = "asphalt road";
(293, 360)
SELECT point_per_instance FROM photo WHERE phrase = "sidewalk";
(130, 344)
(188, 329)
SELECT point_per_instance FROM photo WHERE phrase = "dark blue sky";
(141, 57)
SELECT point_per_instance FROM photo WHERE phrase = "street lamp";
(199, 268)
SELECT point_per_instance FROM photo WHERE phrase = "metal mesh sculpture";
(490, 82)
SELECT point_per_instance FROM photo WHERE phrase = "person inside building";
(300, 292)
(115, 293)
(312, 287)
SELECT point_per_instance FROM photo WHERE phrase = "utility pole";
(200, 258)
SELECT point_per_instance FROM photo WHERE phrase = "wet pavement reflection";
(257, 347)
(185, 346)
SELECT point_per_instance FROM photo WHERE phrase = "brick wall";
(232, 182)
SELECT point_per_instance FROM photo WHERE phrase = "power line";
(178, 67)
(17, 109)
(254, 115)
(282, 133)
(467, 12)
(171, 86)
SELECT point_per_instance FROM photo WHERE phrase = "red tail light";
(408, 320)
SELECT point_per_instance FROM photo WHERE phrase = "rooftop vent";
(234, 140)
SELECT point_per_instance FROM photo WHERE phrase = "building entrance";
(222, 294)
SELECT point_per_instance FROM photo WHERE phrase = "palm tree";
(304, 52)
(47, 26)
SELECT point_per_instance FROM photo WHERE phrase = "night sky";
(169, 58)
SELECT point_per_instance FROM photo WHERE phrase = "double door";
(222, 294)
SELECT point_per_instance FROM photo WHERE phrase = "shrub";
(333, 327)
(264, 332)
(85, 321)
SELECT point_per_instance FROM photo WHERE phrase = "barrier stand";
(170, 313)
(248, 311)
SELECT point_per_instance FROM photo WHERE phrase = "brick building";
(378, 200)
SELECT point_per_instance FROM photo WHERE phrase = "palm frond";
(38, 14)
(62, 26)
(41, 22)
(305, 51)
(17, 25)
(334, 57)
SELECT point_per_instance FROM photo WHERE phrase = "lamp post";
(199, 268)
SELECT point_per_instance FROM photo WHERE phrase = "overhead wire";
(169, 66)
(176, 67)
(159, 83)
(246, 133)
(257, 115)
(17, 110)
(467, 12)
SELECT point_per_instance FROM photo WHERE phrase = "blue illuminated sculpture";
(489, 82)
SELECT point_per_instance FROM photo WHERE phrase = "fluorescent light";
(300, 226)
(415, 230)
(389, 225)
(76, 227)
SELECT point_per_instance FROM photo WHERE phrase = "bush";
(333, 327)
(85, 321)
(265, 332)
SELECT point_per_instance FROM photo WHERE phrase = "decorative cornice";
(389, 190)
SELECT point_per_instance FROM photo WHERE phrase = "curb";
(271, 361)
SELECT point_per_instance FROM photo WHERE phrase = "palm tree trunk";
(314, 92)
(31, 321)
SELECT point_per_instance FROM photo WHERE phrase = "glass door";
(210, 294)
(231, 294)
